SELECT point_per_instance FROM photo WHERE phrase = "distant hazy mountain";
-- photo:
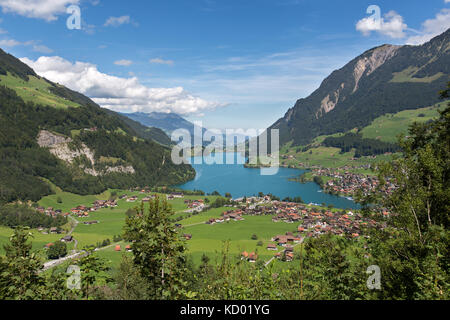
(168, 122)
(144, 131)
(385, 79)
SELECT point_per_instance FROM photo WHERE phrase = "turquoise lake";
(240, 181)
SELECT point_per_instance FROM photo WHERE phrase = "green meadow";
(210, 239)
(390, 126)
(329, 158)
(206, 239)
(385, 128)
(38, 239)
(35, 90)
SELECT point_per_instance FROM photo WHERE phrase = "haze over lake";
(240, 181)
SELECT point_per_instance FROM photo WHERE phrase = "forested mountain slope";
(386, 79)
(70, 141)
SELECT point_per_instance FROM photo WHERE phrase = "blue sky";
(230, 64)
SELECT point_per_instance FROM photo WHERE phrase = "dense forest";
(152, 133)
(363, 147)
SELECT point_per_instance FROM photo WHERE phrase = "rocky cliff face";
(60, 147)
(377, 82)
(368, 64)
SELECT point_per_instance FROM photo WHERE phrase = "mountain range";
(385, 79)
(168, 122)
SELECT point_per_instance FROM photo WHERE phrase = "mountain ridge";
(168, 122)
(382, 80)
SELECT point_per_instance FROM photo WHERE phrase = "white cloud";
(391, 25)
(119, 94)
(41, 48)
(41, 9)
(432, 27)
(124, 63)
(117, 21)
(9, 43)
(162, 61)
(36, 47)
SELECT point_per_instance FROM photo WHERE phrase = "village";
(342, 181)
(307, 220)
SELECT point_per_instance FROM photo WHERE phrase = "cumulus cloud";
(115, 93)
(391, 25)
(40, 9)
(117, 21)
(124, 63)
(432, 27)
(162, 61)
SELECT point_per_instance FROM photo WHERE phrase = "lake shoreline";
(239, 181)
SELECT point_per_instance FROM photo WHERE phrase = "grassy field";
(385, 128)
(35, 90)
(329, 158)
(209, 239)
(407, 75)
(388, 127)
(39, 240)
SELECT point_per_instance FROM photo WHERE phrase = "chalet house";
(90, 222)
(252, 257)
(100, 203)
(177, 194)
(289, 256)
(244, 255)
(132, 199)
(67, 239)
(187, 236)
(54, 230)
(289, 248)
(271, 246)
(111, 203)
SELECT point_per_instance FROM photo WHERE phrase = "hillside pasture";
(35, 90)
